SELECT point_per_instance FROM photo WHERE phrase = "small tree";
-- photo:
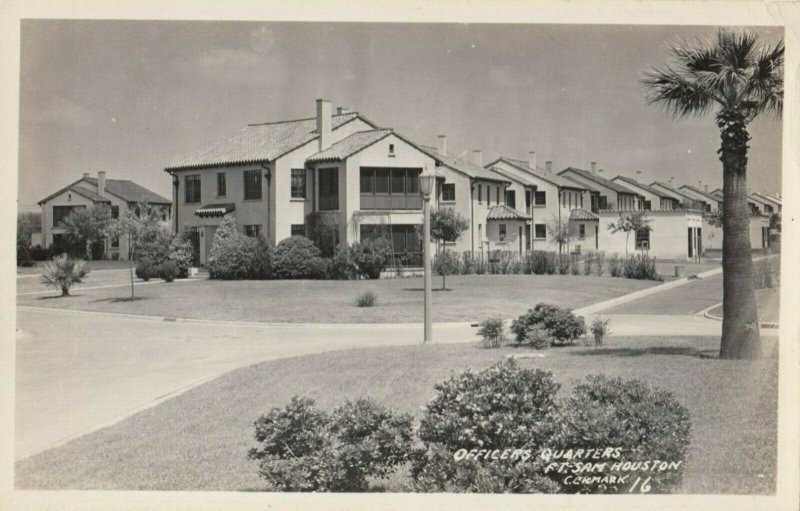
(141, 231)
(446, 263)
(447, 225)
(26, 225)
(560, 234)
(88, 225)
(64, 271)
(629, 222)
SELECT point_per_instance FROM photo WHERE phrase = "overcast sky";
(131, 97)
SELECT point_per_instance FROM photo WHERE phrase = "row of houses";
(356, 177)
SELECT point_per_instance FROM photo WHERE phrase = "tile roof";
(130, 191)
(551, 178)
(599, 180)
(643, 186)
(503, 212)
(582, 215)
(212, 210)
(462, 165)
(591, 188)
(89, 194)
(259, 142)
(699, 192)
(672, 192)
(350, 145)
(769, 198)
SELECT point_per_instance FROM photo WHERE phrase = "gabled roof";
(257, 143)
(672, 192)
(632, 182)
(581, 215)
(89, 194)
(350, 145)
(130, 191)
(591, 188)
(548, 177)
(503, 212)
(717, 191)
(768, 198)
(599, 180)
(463, 166)
(699, 192)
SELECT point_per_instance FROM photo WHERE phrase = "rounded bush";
(646, 423)
(370, 256)
(297, 258)
(560, 323)
(236, 256)
(146, 269)
(538, 337)
(168, 271)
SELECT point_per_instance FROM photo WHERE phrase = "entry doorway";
(207, 239)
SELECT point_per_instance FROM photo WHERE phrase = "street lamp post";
(426, 182)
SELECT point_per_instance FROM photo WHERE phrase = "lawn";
(687, 299)
(199, 440)
(468, 298)
(768, 301)
(96, 265)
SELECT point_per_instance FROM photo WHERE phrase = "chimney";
(548, 166)
(324, 110)
(705, 188)
(342, 110)
(85, 174)
(671, 180)
(441, 145)
(594, 168)
(777, 195)
(477, 157)
(600, 171)
(639, 177)
(532, 159)
(101, 183)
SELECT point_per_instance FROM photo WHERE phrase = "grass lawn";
(666, 267)
(199, 440)
(96, 265)
(469, 297)
(768, 301)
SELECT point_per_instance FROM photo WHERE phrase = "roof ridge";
(268, 123)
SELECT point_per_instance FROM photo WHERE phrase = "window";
(448, 192)
(502, 235)
(192, 189)
(252, 185)
(488, 195)
(298, 183)
(480, 194)
(252, 230)
(582, 231)
(511, 199)
(62, 212)
(540, 231)
(114, 212)
(115, 242)
(406, 241)
(390, 188)
(497, 195)
(298, 230)
(391, 148)
(643, 239)
(328, 189)
(648, 205)
(540, 198)
(527, 201)
(221, 188)
(602, 202)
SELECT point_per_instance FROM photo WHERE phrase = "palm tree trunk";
(740, 329)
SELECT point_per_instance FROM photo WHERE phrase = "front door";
(205, 245)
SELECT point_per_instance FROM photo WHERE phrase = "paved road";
(79, 371)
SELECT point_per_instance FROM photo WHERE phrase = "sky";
(131, 97)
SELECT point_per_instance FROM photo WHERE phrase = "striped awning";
(212, 210)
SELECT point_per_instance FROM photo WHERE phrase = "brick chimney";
(324, 110)
(705, 188)
(548, 166)
(639, 177)
(441, 145)
(477, 157)
(532, 159)
(85, 174)
(101, 183)
(594, 168)
(342, 110)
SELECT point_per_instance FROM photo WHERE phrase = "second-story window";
(221, 188)
(540, 198)
(252, 185)
(192, 189)
(602, 203)
(497, 195)
(298, 183)
(448, 192)
(390, 188)
(328, 188)
(502, 232)
(511, 199)
(480, 193)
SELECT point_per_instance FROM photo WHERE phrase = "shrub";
(599, 263)
(647, 424)
(538, 337)
(640, 266)
(297, 258)
(563, 263)
(40, 254)
(367, 299)
(445, 263)
(615, 265)
(599, 330)
(560, 323)
(543, 262)
(501, 407)
(370, 256)
(323, 234)
(467, 266)
(492, 332)
(62, 272)
(182, 254)
(574, 268)
(588, 263)
(302, 448)
(168, 270)
(147, 269)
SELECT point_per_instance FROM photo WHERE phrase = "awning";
(212, 210)
(581, 215)
(503, 212)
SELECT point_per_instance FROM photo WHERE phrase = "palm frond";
(675, 93)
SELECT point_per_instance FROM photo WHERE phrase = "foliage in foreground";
(302, 448)
(62, 272)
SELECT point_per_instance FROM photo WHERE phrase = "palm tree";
(738, 77)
